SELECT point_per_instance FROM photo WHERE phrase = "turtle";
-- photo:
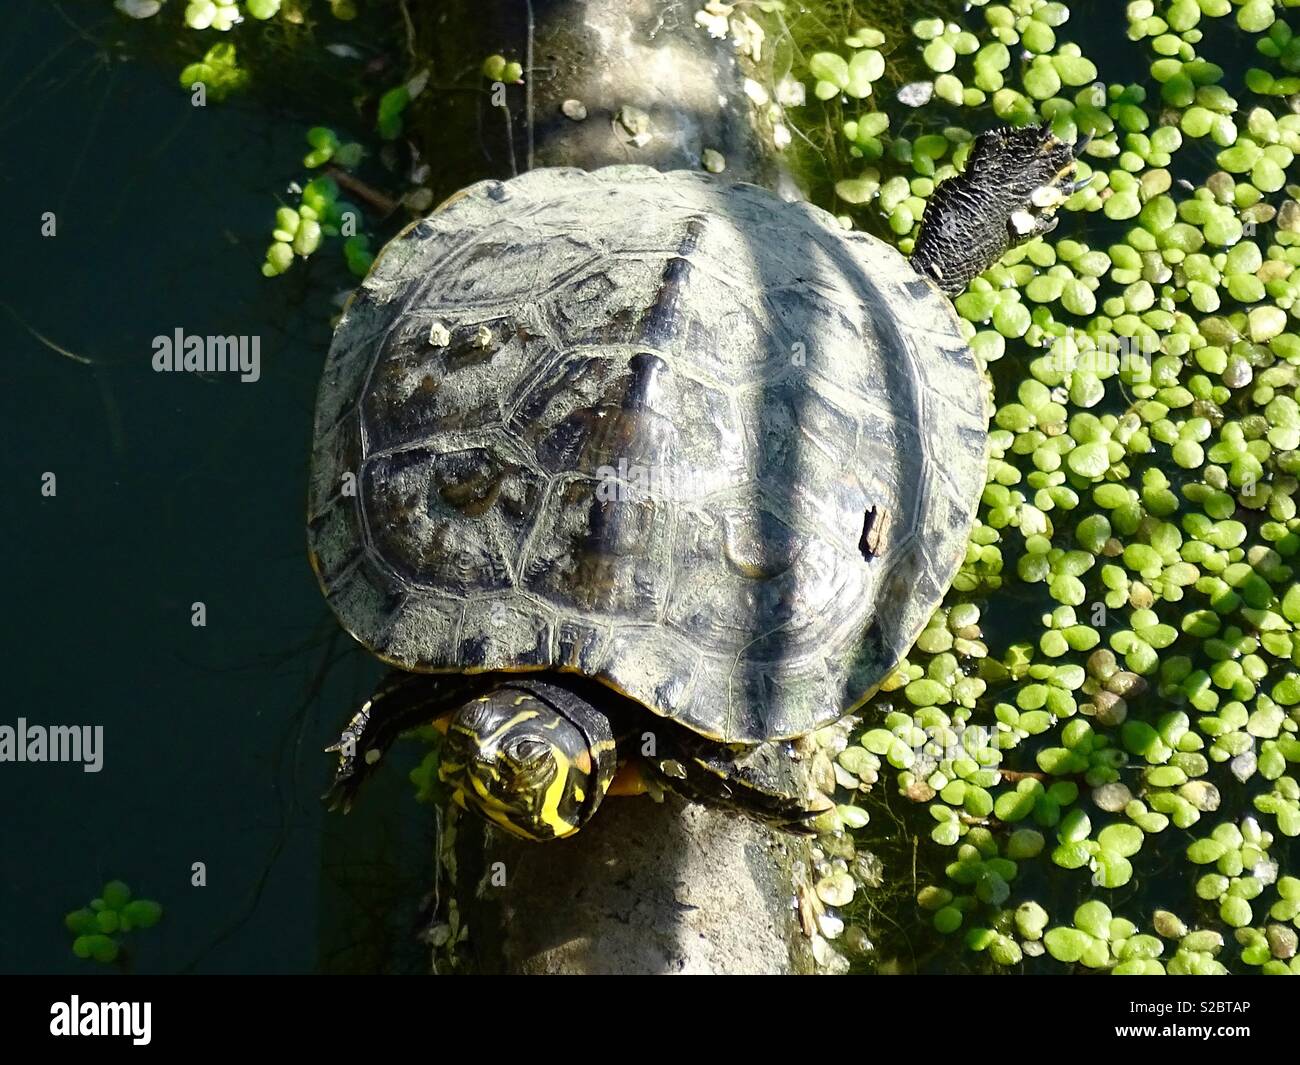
(635, 478)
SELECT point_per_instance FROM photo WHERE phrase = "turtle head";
(1014, 181)
(533, 759)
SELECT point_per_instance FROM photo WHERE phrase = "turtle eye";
(528, 753)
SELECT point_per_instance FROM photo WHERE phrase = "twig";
(380, 201)
(510, 140)
(83, 359)
(1015, 775)
(528, 88)
(410, 29)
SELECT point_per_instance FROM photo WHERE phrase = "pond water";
(170, 490)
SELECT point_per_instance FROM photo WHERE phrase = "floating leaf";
(1066, 944)
(1120, 839)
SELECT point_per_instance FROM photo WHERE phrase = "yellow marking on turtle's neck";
(513, 827)
(489, 806)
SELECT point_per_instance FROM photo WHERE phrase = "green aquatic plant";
(1097, 939)
(221, 15)
(853, 76)
(218, 72)
(99, 929)
(424, 777)
(392, 105)
(499, 68)
(1239, 856)
(299, 231)
(326, 147)
(224, 15)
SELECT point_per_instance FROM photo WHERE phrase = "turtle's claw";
(1051, 195)
(341, 790)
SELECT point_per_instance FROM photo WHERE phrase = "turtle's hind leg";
(762, 782)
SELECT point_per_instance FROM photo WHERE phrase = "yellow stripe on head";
(549, 814)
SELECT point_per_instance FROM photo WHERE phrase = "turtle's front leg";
(402, 701)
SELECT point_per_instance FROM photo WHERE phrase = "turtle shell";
(677, 435)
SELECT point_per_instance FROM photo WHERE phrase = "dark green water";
(172, 489)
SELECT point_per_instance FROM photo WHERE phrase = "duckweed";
(99, 928)
(299, 231)
(1143, 462)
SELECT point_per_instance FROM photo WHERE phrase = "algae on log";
(653, 86)
(645, 887)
